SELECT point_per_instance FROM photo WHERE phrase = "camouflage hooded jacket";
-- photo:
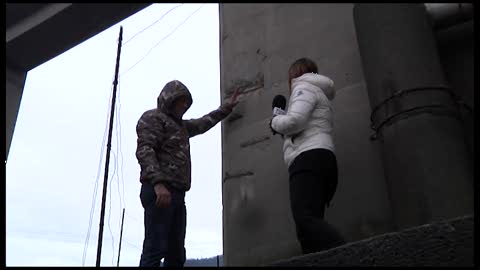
(163, 149)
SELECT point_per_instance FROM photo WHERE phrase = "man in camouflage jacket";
(163, 152)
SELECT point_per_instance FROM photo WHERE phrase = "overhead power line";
(92, 209)
(151, 24)
(175, 29)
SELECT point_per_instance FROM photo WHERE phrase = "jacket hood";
(323, 82)
(170, 92)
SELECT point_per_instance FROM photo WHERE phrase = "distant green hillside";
(205, 261)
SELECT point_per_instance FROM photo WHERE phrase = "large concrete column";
(258, 43)
(427, 166)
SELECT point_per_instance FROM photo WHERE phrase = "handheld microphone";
(278, 105)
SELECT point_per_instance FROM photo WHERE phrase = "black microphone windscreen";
(279, 101)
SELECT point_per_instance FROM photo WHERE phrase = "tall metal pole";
(120, 241)
(105, 180)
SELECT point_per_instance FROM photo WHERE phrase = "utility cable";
(161, 41)
(133, 245)
(110, 205)
(119, 128)
(117, 140)
(92, 209)
(125, 43)
(134, 218)
(119, 156)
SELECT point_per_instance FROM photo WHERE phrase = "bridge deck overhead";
(36, 33)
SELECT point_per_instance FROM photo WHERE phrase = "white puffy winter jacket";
(308, 122)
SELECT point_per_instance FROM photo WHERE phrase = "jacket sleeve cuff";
(226, 108)
(157, 181)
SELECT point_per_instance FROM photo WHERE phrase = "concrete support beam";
(35, 19)
(15, 81)
(36, 33)
(427, 164)
(444, 15)
(51, 29)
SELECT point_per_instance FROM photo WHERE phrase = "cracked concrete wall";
(258, 42)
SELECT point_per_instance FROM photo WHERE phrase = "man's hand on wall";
(233, 100)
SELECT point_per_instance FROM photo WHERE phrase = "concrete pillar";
(258, 43)
(15, 81)
(427, 167)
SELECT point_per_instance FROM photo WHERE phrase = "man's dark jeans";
(313, 181)
(164, 229)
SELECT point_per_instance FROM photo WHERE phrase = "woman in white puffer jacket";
(309, 154)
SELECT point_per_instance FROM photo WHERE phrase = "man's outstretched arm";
(206, 122)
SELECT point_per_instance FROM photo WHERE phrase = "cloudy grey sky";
(56, 162)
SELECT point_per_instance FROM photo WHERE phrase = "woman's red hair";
(300, 67)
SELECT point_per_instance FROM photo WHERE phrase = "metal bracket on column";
(445, 109)
(241, 174)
